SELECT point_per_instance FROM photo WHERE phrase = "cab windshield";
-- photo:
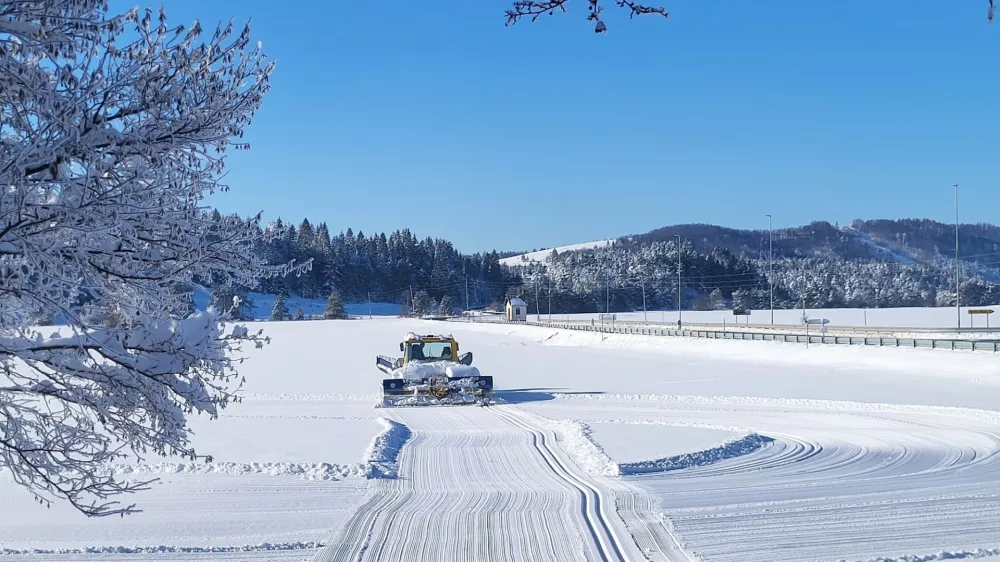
(429, 351)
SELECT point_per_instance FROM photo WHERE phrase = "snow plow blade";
(438, 391)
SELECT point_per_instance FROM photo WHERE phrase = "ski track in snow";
(490, 484)
(825, 480)
(806, 479)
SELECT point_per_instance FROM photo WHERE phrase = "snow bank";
(730, 449)
(943, 555)
(300, 397)
(575, 438)
(379, 461)
(383, 452)
(263, 547)
(308, 471)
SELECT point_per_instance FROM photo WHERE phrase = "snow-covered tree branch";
(112, 131)
(532, 9)
(595, 8)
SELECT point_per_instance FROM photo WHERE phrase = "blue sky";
(434, 116)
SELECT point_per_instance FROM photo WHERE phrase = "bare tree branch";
(534, 8)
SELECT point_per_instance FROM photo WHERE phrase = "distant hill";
(874, 263)
(904, 241)
(542, 255)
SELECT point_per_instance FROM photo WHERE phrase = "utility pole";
(644, 319)
(958, 270)
(411, 299)
(538, 312)
(678, 280)
(466, 296)
(550, 300)
(770, 263)
(607, 285)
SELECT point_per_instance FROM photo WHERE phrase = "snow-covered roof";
(411, 336)
(517, 302)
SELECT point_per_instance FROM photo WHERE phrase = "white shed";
(516, 310)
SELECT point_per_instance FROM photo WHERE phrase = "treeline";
(817, 265)
(382, 267)
(628, 277)
(917, 240)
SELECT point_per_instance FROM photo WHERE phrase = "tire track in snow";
(490, 484)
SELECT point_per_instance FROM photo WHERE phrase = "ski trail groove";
(838, 481)
(591, 497)
(492, 484)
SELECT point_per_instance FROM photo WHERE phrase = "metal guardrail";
(646, 330)
(795, 327)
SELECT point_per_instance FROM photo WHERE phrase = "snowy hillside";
(888, 253)
(603, 448)
(542, 255)
(263, 304)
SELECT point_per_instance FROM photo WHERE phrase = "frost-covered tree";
(421, 303)
(334, 307)
(445, 306)
(299, 313)
(716, 300)
(280, 310)
(234, 301)
(112, 131)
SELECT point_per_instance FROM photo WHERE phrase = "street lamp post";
(678, 280)
(958, 270)
(770, 263)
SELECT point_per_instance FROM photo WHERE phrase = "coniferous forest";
(867, 264)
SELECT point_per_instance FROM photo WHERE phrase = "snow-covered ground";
(867, 241)
(542, 255)
(602, 448)
(943, 317)
(263, 304)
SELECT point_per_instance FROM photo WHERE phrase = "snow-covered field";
(942, 317)
(542, 255)
(604, 448)
(263, 304)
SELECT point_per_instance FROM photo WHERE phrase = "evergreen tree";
(445, 307)
(234, 301)
(280, 310)
(421, 303)
(334, 307)
(820, 264)
(716, 301)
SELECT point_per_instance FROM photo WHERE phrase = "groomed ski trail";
(492, 484)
